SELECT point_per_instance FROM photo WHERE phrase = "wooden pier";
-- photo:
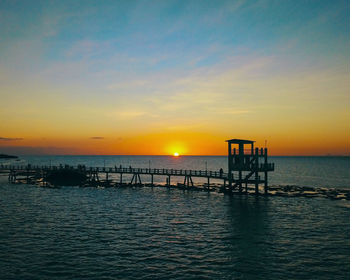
(243, 170)
(95, 175)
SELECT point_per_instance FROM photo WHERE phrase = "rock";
(280, 193)
(307, 189)
(332, 192)
(341, 196)
(309, 193)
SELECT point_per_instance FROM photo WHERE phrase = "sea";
(162, 233)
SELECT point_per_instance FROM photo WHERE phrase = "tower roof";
(240, 141)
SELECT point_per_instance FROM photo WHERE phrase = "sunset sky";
(158, 77)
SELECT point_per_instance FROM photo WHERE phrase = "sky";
(158, 77)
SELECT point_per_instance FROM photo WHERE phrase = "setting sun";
(176, 154)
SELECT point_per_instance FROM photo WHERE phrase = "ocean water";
(159, 233)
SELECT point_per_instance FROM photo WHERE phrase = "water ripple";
(74, 233)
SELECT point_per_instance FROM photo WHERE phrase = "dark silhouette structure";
(73, 175)
(66, 177)
(244, 165)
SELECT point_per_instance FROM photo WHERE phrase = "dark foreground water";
(74, 233)
(88, 233)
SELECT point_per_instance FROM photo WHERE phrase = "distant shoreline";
(7, 156)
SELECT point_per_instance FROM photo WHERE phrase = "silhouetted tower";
(245, 164)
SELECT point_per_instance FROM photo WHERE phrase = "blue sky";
(175, 65)
(169, 30)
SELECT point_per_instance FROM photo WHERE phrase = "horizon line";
(169, 155)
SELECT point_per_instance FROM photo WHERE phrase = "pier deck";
(103, 174)
(118, 170)
(95, 175)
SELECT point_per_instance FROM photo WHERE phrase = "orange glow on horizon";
(170, 143)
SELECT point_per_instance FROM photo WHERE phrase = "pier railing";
(124, 170)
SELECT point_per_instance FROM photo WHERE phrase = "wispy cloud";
(10, 139)
(97, 138)
(41, 150)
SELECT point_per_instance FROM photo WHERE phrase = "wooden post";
(11, 176)
(241, 161)
(132, 179)
(229, 165)
(188, 180)
(240, 180)
(256, 166)
(140, 182)
(265, 167)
